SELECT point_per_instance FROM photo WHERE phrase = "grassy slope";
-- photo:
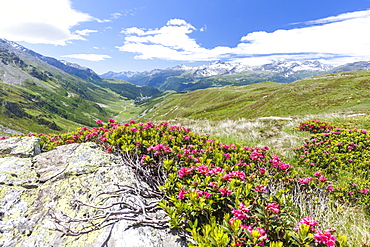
(341, 92)
(65, 101)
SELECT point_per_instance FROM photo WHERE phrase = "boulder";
(20, 146)
(75, 195)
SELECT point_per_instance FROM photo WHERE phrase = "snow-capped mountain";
(228, 68)
(184, 77)
(291, 67)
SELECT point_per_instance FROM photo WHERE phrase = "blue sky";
(137, 35)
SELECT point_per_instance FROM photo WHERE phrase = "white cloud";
(343, 37)
(89, 57)
(342, 17)
(171, 42)
(86, 32)
(40, 21)
(116, 15)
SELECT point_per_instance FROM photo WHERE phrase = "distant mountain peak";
(182, 77)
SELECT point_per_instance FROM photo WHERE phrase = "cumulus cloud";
(335, 38)
(40, 21)
(170, 42)
(89, 57)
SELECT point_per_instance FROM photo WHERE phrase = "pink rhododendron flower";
(184, 170)
(212, 184)
(322, 179)
(203, 169)
(325, 238)
(330, 188)
(243, 207)
(227, 156)
(99, 121)
(143, 159)
(265, 148)
(262, 170)
(260, 188)
(317, 174)
(207, 194)
(240, 214)
(225, 191)
(257, 156)
(274, 207)
(216, 170)
(364, 191)
(182, 194)
(307, 220)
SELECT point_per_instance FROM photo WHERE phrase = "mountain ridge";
(70, 68)
(182, 77)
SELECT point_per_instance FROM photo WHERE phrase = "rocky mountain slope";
(226, 73)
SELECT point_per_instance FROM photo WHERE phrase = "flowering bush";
(341, 153)
(316, 126)
(222, 195)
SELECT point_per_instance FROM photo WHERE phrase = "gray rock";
(20, 146)
(76, 188)
(17, 171)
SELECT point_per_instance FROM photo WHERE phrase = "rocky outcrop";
(75, 195)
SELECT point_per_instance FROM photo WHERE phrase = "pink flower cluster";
(320, 237)
(225, 191)
(205, 194)
(307, 220)
(274, 207)
(260, 188)
(303, 181)
(202, 169)
(240, 213)
(160, 148)
(320, 177)
(276, 162)
(234, 174)
(184, 170)
(325, 237)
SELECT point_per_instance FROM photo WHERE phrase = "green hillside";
(38, 97)
(341, 92)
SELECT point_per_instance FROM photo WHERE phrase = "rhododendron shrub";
(220, 195)
(316, 126)
(341, 154)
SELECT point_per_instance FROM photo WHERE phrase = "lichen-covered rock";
(17, 171)
(20, 146)
(76, 189)
(73, 159)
